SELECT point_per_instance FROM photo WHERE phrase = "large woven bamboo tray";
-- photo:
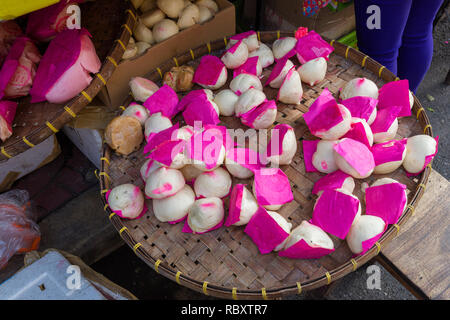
(225, 263)
(110, 22)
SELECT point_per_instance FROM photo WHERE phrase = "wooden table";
(419, 257)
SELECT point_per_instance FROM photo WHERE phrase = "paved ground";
(125, 269)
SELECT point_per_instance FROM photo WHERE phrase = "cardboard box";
(288, 15)
(28, 161)
(222, 25)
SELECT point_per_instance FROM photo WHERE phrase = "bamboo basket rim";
(9, 149)
(296, 288)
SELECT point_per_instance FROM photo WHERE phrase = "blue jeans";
(398, 35)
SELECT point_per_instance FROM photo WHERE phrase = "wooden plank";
(421, 252)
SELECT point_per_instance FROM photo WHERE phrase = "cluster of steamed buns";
(161, 19)
(356, 139)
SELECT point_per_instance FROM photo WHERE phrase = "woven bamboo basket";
(225, 263)
(35, 122)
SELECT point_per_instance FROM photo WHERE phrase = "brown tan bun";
(188, 17)
(142, 33)
(210, 4)
(152, 17)
(205, 14)
(179, 78)
(172, 8)
(124, 134)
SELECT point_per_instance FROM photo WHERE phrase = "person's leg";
(379, 29)
(416, 51)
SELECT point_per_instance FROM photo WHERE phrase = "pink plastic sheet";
(67, 62)
(164, 100)
(388, 151)
(275, 147)
(249, 66)
(323, 114)
(234, 211)
(384, 119)
(197, 108)
(395, 94)
(333, 180)
(334, 212)
(209, 70)
(265, 232)
(19, 68)
(302, 250)
(119, 212)
(250, 117)
(357, 132)
(272, 187)
(309, 147)
(312, 46)
(45, 23)
(155, 139)
(360, 107)
(166, 152)
(386, 201)
(279, 65)
(356, 154)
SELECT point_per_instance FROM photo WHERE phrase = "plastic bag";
(18, 232)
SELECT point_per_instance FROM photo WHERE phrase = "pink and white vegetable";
(211, 73)
(284, 48)
(323, 159)
(164, 100)
(364, 233)
(242, 162)
(388, 155)
(307, 241)
(313, 71)
(337, 180)
(265, 55)
(174, 208)
(249, 100)
(279, 71)
(64, 70)
(205, 215)
(164, 182)
(385, 126)
(326, 119)
(362, 107)
(198, 105)
(359, 87)
(420, 150)
(291, 90)
(335, 212)
(261, 117)
(250, 38)
(360, 131)
(215, 183)
(354, 158)
(236, 55)
(142, 88)
(282, 145)
(156, 123)
(226, 100)
(245, 81)
(271, 188)
(251, 66)
(127, 201)
(242, 206)
(137, 111)
(268, 230)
